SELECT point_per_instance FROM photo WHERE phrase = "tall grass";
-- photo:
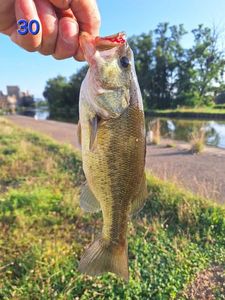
(154, 136)
(197, 141)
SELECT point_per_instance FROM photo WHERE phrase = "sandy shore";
(203, 174)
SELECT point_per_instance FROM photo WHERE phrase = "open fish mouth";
(111, 41)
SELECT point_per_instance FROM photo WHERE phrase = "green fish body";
(113, 155)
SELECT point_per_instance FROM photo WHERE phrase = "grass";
(219, 106)
(43, 232)
(155, 129)
(197, 140)
(217, 110)
(171, 145)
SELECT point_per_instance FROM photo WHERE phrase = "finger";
(49, 23)
(87, 15)
(67, 41)
(7, 14)
(63, 4)
(61, 13)
(26, 10)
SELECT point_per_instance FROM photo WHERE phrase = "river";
(213, 132)
(175, 129)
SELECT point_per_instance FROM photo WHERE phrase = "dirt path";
(203, 174)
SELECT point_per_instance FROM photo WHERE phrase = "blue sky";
(31, 70)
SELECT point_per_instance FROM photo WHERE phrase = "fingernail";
(68, 31)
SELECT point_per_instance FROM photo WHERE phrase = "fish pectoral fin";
(88, 202)
(79, 133)
(93, 126)
(140, 198)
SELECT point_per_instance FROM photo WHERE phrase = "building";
(13, 91)
(15, 98)
(9, 102)
(3, 101)
(26, 100)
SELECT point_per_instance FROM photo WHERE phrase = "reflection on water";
(183, 129)
(40, 113)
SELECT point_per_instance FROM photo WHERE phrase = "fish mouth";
(111, 41)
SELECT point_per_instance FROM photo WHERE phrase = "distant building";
(12, 103)
(13, 90)
(3, 101)
(26, 100)
(15, 98)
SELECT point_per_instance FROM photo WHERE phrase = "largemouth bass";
(112, 135)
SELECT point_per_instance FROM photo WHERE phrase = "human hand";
(61, 22)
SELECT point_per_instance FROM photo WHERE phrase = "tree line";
(170, 75)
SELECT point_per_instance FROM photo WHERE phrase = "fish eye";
(124, 61)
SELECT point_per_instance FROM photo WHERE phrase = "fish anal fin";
(88, 202)
(102, 257)
(140, 198)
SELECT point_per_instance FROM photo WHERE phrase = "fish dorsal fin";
(88, 202)
(139, 200)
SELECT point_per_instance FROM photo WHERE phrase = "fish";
(111, 131)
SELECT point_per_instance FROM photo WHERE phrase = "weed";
(197, 140)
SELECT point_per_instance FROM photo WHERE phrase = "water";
(39, 113)
(175, 129)
(186, 129)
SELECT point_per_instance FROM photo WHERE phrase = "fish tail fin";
(102, 257)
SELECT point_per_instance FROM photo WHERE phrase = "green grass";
(219, 106)
(200, 110)
(43, 232)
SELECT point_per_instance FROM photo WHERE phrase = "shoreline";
(187, 115)
(182, 145)
(203, 174)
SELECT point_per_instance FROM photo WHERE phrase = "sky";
(30, 71)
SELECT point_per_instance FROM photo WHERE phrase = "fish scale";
(117, 175)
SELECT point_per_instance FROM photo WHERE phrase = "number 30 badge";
(25, 27)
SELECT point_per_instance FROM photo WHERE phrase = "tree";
(208, 64)
(142, 47)
(157, 59)
(169, 74)
(62, 96)
(168, 56)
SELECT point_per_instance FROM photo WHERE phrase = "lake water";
(40, 113)
(186, 129)
(176, 129)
